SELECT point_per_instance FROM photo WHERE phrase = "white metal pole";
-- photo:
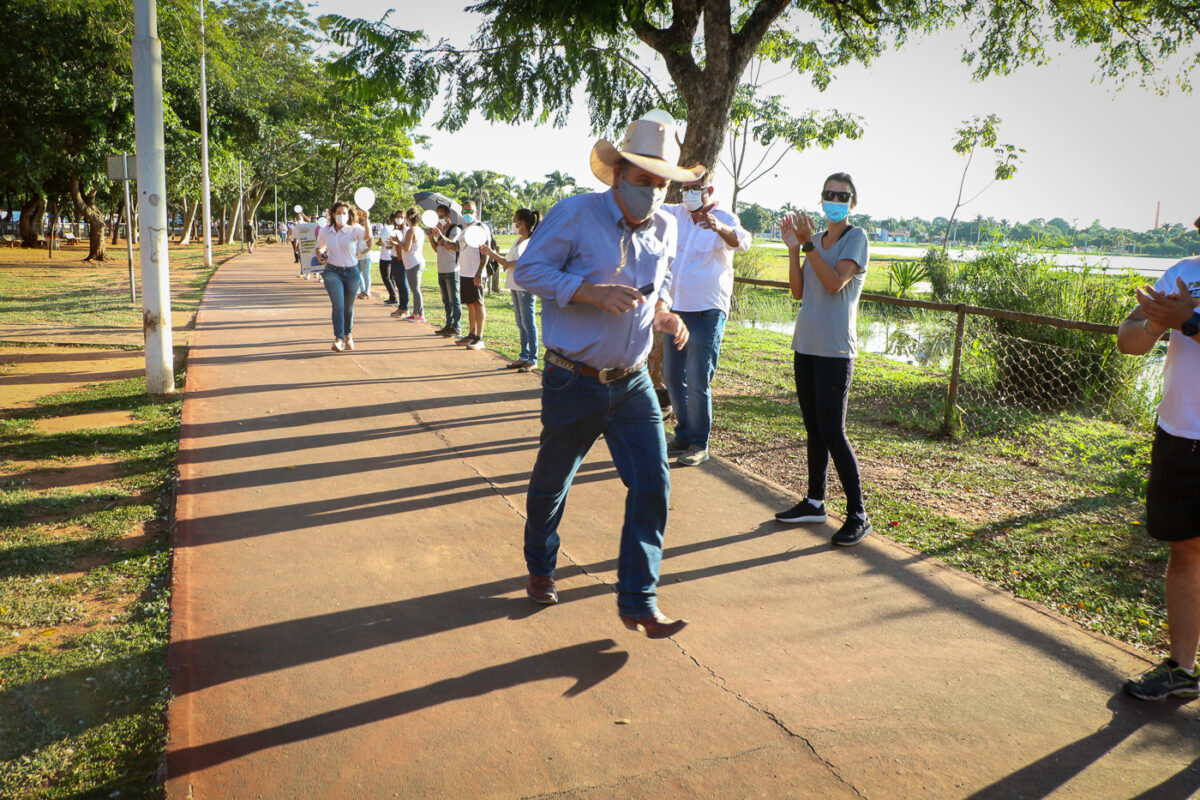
(277, 211)
(152, 198)
(129, 240)
(241, 208)
(204, 186)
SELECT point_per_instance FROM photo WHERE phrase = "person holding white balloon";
(337, 251)
(414, 263)
(470, 266)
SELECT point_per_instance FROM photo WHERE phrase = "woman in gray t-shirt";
(829, 279)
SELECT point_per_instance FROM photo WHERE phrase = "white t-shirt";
(384, 232)
(469, 258)
(1179, 411)
(341, 246)
(412, 257)
(702, 272)
(513, 254)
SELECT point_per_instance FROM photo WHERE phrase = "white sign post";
(123, 168)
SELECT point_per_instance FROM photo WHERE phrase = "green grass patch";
(84, 597)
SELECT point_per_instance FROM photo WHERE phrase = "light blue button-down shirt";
(580, 240)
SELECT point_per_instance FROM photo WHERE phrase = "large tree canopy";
(529, 58)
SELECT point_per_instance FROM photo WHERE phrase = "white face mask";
(341, 218)
(693, 199)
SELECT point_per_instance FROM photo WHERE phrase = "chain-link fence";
(982, 371)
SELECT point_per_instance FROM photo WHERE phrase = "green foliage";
(942, 273)
(906, 274)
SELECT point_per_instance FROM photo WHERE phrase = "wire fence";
(989, 370)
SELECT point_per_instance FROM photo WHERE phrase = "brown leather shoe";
(542, 590)
(656, 626)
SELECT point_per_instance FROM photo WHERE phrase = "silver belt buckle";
(602, 374)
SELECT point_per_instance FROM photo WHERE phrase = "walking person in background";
(444, 239)
(364, 249)
(524, 303)
(830, 281)
(701, 286)
(601, 264)
(470, 268)
(387, 254)
(413, 255)
(337, 250)
(1173, 491)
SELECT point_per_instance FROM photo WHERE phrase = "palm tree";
(480, 185)
(557, 183)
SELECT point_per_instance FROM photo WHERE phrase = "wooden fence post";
(951, 422)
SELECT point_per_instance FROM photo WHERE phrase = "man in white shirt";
(702, 287)
(384, 232)
(1173, 492)
(470, 270)
(444, 239)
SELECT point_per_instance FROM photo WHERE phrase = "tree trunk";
(189, 221)
(222, 223)
(86, 208)
(30, 226)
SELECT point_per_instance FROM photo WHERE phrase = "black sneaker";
(853, 531)
(803, 512)
(448, 332)
(676, 448)
(441, 331)
(1163, 681)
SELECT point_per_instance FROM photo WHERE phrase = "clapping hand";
(1167, 310)
(797, 229)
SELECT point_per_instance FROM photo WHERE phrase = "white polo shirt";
(1179, 411)
(342, 246)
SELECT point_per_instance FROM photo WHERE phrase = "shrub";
(942, 273)
(907, 273)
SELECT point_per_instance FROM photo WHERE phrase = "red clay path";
(349, 619)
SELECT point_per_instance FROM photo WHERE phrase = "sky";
(1094, 150)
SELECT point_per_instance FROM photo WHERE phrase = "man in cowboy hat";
(600, 262)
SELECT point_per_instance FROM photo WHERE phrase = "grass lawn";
(85, 499)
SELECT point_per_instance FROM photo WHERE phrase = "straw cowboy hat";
(645, 145)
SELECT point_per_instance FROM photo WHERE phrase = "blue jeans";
(576, 410)
(342, 285)
(525, 307)
(448, 283)
(688, 374)
(364, 274)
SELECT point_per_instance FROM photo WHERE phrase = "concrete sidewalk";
(349, 617)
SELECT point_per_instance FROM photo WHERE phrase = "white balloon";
(322, 221)
(364, 198)
(429, 218)
(298, 209)
(475, 235)
(658, 115)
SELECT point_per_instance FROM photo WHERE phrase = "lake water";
(1143, 265)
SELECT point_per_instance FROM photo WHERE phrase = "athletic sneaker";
(1163, 681)
(475, 344)
(349, 342)
(676, 448)
(465, 339)
(338, 345)
(399, 312)
(803, 512)
(853, 531)
(414, 318)
(448, 332)
(694, 457)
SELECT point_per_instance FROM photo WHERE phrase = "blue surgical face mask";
(468, 216)
(835, 212)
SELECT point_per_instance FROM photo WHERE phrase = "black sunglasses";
(835, 197)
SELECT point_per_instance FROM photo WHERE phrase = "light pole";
(152, 198)
(204, 186)
(241, 208)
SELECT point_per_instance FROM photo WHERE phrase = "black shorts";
(468, 292)
(1173, 494)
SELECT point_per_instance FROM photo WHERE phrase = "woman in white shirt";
(337, 250)
(387, 255)
(364, 255)
(524, 303)
(414, 263)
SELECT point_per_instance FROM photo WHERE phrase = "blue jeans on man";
(448, 284)
(342, 285)
(525, 308)
(576, 410)
(688, 374)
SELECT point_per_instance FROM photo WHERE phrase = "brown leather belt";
(602, 375)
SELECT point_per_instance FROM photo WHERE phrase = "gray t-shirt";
(447, 259)
(827, 324)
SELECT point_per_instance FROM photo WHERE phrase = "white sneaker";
(349, 342)
(694, 456)
(338, 345)
(475, 344)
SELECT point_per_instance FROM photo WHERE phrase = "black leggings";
(823, 388)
